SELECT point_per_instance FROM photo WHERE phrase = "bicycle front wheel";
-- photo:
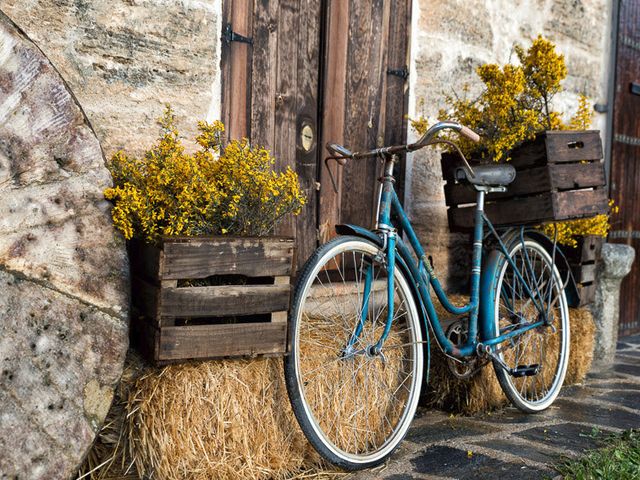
(353, 404)
(538, 358)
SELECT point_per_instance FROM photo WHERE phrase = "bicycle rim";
(545, 346)
(354, 409)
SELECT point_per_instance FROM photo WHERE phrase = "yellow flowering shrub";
(513, 107)
(216, 190)
(570, 230)
(514, 104)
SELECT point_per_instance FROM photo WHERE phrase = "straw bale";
(208, 420)
(583, 331)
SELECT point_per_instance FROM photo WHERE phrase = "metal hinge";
(399, 72)
(228, 35)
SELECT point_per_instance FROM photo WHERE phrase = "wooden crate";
(560, 176)
(240, 311)
(583, 261)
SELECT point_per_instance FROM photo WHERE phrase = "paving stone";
(449, 429)
(512, 416)
(626, 398)
(567, 436)
(632, 353)
(627, 369)
(616, 386)
(452, 462)
(632, 339)
(607, 417)
(528, 450)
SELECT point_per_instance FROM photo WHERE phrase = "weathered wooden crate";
(560, 176)
(583, 261)
(210, 297)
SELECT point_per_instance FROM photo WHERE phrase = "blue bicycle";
(362, 313)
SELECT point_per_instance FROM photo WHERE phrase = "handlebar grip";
(470, 134)
(339, 150)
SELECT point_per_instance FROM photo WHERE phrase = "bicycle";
(362, 310)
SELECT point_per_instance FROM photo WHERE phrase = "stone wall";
(125, 59)
(450, 38)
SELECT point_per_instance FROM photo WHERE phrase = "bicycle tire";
(318, 332)
(545, 346)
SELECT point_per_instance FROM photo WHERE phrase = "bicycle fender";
(357, 231)
(486, 311)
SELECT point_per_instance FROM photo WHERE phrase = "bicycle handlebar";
(341, 153)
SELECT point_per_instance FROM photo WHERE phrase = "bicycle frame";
(482, 302)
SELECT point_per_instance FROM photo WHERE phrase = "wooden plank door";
(365, 96)
(270, 93)
(625, 157)
(318, 71)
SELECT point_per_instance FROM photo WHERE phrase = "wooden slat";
(587, 294)
(200, 258)
(577, 175)
(535, 180)
(280, 317)
(145, 337)
(144, 259)
(587, 251)
(516, 211)
(145, 296)
(220, 301)
(585, 273)
(579, 204)
(572, 146)
(208, 341)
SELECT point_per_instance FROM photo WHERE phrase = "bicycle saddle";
(487, 175)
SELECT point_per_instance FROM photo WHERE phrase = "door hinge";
(399, 72)
(228, 35)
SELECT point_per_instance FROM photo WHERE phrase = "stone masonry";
(125, 59)
(450, 38)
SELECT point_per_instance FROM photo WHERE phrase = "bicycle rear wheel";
(544, 351)
(353, 405)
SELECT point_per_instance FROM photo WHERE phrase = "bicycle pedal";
(525, 370)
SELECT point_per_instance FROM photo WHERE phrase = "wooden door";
(625, 157)
(318, 71)
(365, 102)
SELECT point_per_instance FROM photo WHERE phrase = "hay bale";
(583, 331)
(208, 420)
(479, 393)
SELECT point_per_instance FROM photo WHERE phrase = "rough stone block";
(63, 271)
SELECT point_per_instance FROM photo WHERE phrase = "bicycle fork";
(389, 248)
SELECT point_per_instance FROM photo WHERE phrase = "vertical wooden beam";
(236, 69)
(333, 110)
(307, 111)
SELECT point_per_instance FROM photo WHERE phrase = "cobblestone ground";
(512, 445)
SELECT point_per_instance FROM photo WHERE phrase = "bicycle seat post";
(383, 220)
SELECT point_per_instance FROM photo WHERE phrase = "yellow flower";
(216, 190)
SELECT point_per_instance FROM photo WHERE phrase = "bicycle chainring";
(457, 333)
